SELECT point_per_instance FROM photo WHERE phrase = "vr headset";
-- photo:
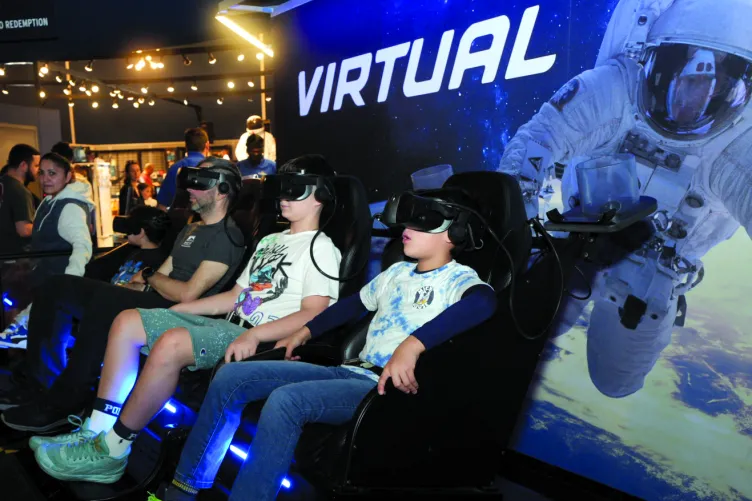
(420, 213)
(125, 224)
(200, 179)
(294, 187)
(424, 211)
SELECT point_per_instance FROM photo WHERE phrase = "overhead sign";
(27, 20)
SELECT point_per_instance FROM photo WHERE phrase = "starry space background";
(687, 435)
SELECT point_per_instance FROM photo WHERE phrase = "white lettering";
(411, 87)
(330, 71)
(305, 97)
(518, 65)
(490, 58)
(389, 56)
(353, 87)
(25, 23)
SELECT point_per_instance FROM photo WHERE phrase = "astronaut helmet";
(697, 69)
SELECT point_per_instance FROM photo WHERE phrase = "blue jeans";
(297, 392)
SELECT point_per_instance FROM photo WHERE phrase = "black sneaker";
(38, 416)
(20, 395)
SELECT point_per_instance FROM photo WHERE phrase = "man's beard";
(203, 207)
(29, 177)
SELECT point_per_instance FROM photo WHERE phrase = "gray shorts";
(210, 337)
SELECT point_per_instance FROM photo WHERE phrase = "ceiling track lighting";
(90, 66)
(170, 88)
(241, 57)
(95, 104)
(141, 100)
(58, 78)
(230, 84)
(144, 89)
(136, 104)
(251, 84)
(88, 92)
(2, 70)
(115, 104)
(67, 91)
(152, 102)
(220, 100)
(44, 69)
(212, 59)
(185, 102)
(42, 93)
(194, 86)
(71, 104)
(5, 90)
(95, 88)
(186, 60)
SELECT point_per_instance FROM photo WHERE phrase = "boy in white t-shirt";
(277, 294)
(417, 307)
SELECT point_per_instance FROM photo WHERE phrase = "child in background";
(147, 193)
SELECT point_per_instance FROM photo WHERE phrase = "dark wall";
(91, 28)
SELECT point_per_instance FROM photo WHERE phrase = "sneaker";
(15, 336)
(39, 416)
(81, 433)
(86, 461)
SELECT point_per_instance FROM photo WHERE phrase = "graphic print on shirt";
(189, 241)
(266, 273)
(424, 297)
(126, 272)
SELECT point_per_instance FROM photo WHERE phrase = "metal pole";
(71, 117)
(263, 82)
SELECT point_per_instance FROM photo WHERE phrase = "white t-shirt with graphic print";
(280, 274)
(404, 299)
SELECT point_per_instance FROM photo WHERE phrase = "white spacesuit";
(255, 125)
(671, 86)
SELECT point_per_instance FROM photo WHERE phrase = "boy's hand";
(292, 341)
(138, 278)
(401, 367)
(243, 347)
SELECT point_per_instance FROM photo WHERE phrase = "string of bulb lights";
(141, 61)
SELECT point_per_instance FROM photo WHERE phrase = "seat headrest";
(350, 230)
(504, 210)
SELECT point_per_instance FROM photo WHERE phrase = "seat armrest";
(319, 354)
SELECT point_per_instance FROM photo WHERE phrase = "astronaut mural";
(671, 86)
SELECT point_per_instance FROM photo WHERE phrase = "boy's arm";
(477, 305)
(245, 345)
(217, 304)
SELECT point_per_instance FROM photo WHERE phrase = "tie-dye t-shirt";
(404, 299)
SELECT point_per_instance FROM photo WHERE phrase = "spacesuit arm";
(730, 179)
(584, 115)
(240, 150)
(270, 147)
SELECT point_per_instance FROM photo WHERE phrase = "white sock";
(117, 445)
(101, 422)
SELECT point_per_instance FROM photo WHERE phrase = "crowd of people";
(187, 304)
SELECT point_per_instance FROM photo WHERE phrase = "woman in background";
(130, 196)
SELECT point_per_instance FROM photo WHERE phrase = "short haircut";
(313, 164)
(154, 222)
(21, 153)
(196, 139)
(254, 141)
(143, 186)
(63, 149)
(59, 161)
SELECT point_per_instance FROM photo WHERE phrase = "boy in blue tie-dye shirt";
(417, 306)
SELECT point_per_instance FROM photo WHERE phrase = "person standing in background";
(256, 165)
(255, 125)
(130, 196)
(197, 145)
(16, 201)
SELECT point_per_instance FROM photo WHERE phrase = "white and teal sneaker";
(81, 433)
(84, 461)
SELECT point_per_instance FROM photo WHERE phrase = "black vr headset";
(297, 187)
(125, 224)
(428, 212)
(206, 178)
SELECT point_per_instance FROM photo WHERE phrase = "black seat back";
(504, 210)
(350, 230)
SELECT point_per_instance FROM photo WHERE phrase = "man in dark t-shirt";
(203, 260)
(16, 202)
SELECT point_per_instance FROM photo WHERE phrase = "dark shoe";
(20, 395)
(39, 416)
